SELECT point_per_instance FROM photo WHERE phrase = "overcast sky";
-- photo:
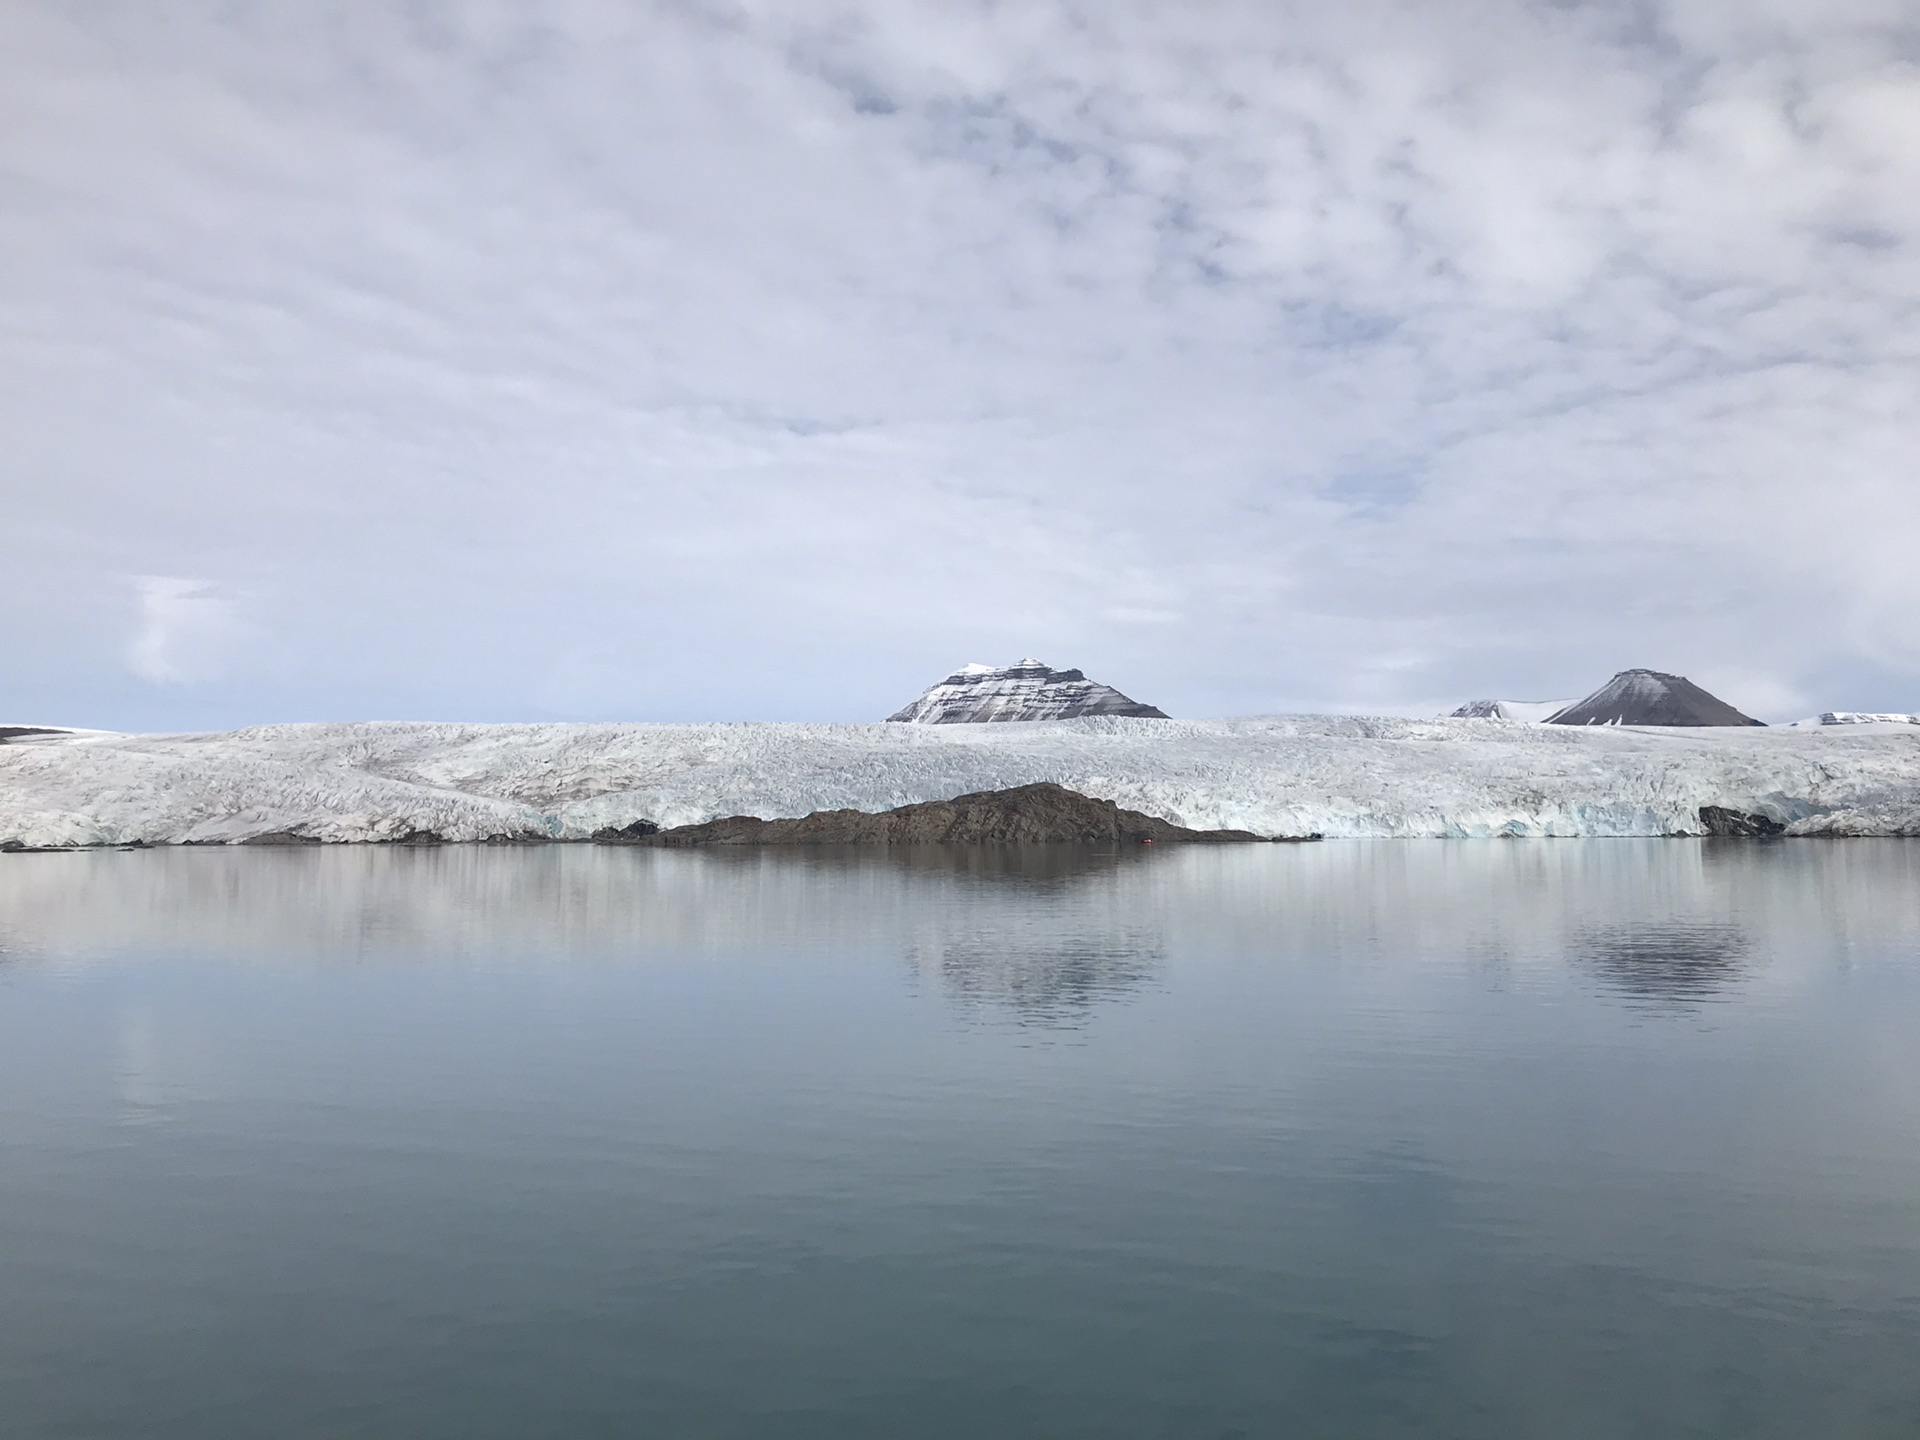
(582, 359)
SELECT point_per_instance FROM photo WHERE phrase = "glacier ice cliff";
(1340, 776)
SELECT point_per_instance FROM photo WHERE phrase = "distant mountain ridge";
(1650, 697)
(1030, 690)
(1861, 717)
(1526, 712)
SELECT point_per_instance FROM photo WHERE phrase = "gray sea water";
(1543, 1139)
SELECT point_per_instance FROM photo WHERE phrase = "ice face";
(1341, 776)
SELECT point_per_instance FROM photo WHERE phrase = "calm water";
(1548, 1139)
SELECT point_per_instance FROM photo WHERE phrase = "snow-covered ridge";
(980, 694)
(1860, 717)
(1337, 775)
(1523, 712)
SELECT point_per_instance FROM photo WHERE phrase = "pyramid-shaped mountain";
(1648, 697)
(980, 694)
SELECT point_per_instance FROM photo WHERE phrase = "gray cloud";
(758, 360)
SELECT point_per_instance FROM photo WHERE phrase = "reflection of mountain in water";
(1048, 982)
(1018, 866)
(1668, 966)
(1041, 934)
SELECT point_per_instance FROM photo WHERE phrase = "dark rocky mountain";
(1650, 697)
(978, 694)
(1040, 814)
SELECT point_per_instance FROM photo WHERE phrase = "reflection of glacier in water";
(1046, 935)
(1666, 966)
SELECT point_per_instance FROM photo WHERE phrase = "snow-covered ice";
(1334, 775)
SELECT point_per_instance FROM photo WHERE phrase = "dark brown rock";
(1043, 814)
(626, 834)
(1719, 821)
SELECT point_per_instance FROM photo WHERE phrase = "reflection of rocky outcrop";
(1009, 870)
(1043, 814)
(1669, 965)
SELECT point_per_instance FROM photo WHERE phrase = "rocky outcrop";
(1650, 697)
(979, 694)
(626, 834)
(1719, 821)
(1043, 814)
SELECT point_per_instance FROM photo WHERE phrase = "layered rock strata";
(981, 694)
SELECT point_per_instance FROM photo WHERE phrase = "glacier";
(1337, 776)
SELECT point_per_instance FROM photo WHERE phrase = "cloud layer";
(770, 360)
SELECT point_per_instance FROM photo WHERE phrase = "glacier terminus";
(1340, 776)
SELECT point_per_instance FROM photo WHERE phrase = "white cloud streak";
(185, 633)
(769, 359)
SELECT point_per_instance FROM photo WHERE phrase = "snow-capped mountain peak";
(1651, 697)
(1030, 690)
